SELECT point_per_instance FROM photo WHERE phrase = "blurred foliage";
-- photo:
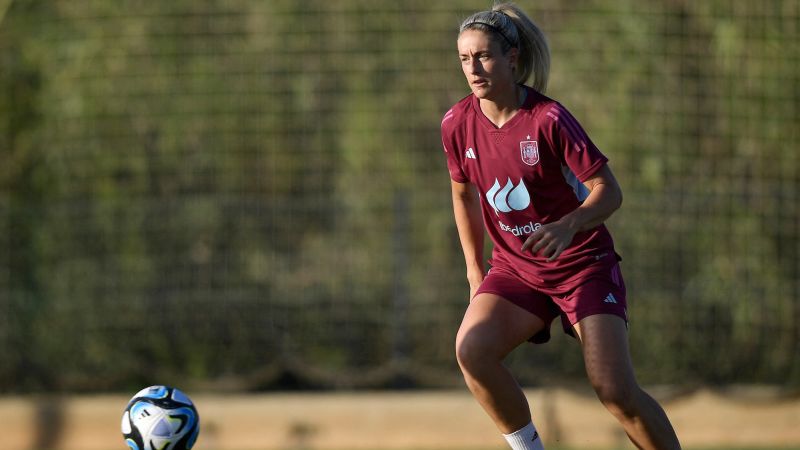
(252, 194)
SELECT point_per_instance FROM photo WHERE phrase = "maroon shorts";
(600, 291)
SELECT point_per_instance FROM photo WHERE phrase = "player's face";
(489, 72)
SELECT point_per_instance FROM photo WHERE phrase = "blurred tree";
(255, 191)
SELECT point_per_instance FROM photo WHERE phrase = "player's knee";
(472, 353)
(618, 397)
(466, 352)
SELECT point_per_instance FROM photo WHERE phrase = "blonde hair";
(516, 30)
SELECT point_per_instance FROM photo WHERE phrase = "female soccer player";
(522, 164)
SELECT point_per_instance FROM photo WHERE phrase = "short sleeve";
(572, 144)
(449, 146)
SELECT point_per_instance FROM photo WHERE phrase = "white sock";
(526, 438)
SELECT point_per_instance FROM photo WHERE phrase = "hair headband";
(493, 28)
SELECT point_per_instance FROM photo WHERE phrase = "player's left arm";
(605, 197)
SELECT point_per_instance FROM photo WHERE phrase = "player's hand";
(549, 240)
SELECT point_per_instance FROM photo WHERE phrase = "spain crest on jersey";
(530, 152)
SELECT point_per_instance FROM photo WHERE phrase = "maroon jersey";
(529, 172)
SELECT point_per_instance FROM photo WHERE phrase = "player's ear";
(513, 57)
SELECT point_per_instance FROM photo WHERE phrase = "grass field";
(425, 420)
(603, 448)
(200, 447)
(630, 447)
(684, 448)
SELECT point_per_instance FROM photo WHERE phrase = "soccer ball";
(160, 418)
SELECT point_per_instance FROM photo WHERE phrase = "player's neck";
(504, 107)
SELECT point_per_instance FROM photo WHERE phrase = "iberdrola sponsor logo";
(520, 230)
(509, 197)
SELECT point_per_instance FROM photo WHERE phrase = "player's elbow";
(617, 197)
(610, 196)
(613, 192)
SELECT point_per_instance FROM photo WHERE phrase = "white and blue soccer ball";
(160, 418)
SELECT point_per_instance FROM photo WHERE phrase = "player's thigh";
(604, 340)
(493, 326)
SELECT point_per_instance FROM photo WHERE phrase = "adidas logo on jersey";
(470, 153)
(610, 299)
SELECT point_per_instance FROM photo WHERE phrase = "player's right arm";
(467, 211)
